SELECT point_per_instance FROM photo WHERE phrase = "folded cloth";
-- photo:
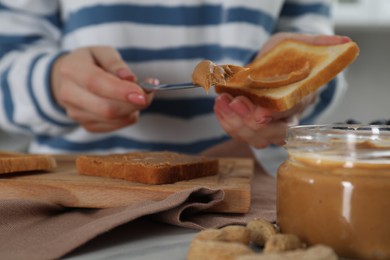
(262, 206)
(40, 230)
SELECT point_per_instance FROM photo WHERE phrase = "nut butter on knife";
(206, 74)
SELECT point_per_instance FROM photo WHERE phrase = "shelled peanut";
(261, 231)
(282, 242)
(232, 233)
(215, 250)
(236, 242)
(225, 243)
(317, 252)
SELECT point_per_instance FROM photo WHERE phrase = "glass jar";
(334, 188)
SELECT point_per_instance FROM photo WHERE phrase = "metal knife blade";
(150, 87)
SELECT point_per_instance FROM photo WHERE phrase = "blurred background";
(367, 22)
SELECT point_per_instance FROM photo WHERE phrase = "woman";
(69, 71)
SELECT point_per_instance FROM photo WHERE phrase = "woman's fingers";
(312, 39)
(103, 127)
(258, 126)
(260, 136)
(231, 119)
(110, 60)
(94, 123)
(325, 39)
(86, 73)
(271, 133)
(103, 108)
(97, 89)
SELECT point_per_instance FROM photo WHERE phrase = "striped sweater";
(161, 39)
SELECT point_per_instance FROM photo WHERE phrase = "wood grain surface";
(64, 186)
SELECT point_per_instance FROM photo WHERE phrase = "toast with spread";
(11, 162)
(283, 76)
(159, 167)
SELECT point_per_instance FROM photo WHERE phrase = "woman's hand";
(312, 39)
(258, 126)
(97, 89)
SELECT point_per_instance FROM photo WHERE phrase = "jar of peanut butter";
(334, 188)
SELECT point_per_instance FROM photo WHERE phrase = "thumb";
(110, 60)
(319, 39)
(323, 39)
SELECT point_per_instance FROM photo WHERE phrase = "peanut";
(318, 252)
(261, 230)
(210, 234)
(282, 242)
(230, 233)
(238, 234)
(231, 242)
(216, 250)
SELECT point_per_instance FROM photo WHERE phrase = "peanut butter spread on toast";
(287, 69)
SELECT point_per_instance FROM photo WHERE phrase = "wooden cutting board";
(64, 186)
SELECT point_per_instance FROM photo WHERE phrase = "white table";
(140, 239)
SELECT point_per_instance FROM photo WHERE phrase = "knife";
(148, 87)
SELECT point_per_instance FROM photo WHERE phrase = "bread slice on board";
(148, 167)
(290, 71)
(11, 162)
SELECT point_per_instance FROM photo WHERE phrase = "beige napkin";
(38, 230)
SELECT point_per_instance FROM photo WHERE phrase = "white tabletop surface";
(140, 239)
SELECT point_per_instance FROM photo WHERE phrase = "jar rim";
(343, 127)
(352, 142)
(339, 131)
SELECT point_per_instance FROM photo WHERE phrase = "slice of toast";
(290, 71)
(148, 167)
(11, 162)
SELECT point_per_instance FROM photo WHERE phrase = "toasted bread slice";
(11, 162)
(290, 71)
(148, 167)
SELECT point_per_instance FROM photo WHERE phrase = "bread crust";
(11, 162)
(304, 88)
(167, 167)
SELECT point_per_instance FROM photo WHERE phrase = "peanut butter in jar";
(334, 188)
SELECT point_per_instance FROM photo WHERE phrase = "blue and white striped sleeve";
(306, 16)
(314, 17)
(29, 43)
